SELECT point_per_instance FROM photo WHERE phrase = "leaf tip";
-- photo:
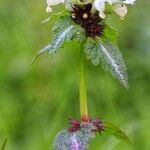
(116, 131)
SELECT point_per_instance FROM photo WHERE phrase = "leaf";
(60, 38)
(4, 144)
(113, 61)
(92, 51)
(116, 131)
(110, 57)
(66, 140)
(54, 16)
(64, 30)
(43, 50)
(78, 140)
(61, 140)
(110, 34)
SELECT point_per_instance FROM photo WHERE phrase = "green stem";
(82, 90)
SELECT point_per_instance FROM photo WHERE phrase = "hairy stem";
(82, 89)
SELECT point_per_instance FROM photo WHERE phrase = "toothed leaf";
(64, 30)
(110, 57)
(112, 60)
(116, 131)
(92, 51)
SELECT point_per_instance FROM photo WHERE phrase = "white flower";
(112, 1)
(52, 2)
(129, 2)
(120, 10)
(100, 6)
(118, 6)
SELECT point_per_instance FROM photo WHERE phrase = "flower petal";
(129, 2)
(120, 10)
(52, 2)
(100, 6)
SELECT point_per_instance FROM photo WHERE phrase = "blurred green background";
(35, 100)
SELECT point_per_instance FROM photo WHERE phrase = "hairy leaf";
(110, 57)
(92, 51)
(112, 61)
(64, 30)
(78, 140)
(116, 131)
(68, 141)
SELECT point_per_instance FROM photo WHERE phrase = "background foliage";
(35, 100)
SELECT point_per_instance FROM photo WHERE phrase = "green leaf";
(110, 34)
(116, 131)
(4, 144)
(110, 57)
(92, 51)
(54, 16)
(64, 30)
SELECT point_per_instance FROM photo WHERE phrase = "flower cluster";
(92, 23)
(118, 6)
